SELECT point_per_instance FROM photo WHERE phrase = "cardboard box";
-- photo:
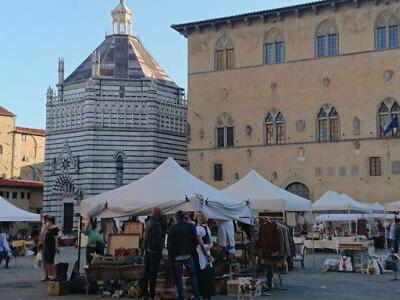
(243, 287)
(134, 227)
(57, 288)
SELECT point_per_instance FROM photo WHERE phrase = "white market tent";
(171, 188)
(352, 217)
(265, 196)
(332, 201)
(11, 213)
(392, 207)
(373, 207)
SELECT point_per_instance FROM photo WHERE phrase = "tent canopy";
(351, 217)
(392, 207)
(11, 213)
(171, 188)
(265, 196)
(373, 207)
(332, 201)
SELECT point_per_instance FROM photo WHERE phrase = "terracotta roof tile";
(5, 112)
(31, 131)
(20, 183)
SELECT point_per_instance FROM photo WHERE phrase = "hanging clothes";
(226, 235)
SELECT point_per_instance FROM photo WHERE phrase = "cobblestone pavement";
(22, 282)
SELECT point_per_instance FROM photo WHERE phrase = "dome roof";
(121, 57)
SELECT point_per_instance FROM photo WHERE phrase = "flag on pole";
(393, 124)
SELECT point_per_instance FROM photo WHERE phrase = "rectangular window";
(218, 172)
(269, 52)
(322, 131)
(269, 134)
(332, 45)
(221, 137)
(280, 52)
(229, 137)
(22, 195)
(15, 195)
(219, 57)
(1, 194)
(7, 194)
(375, 166)
(23, 137)
(334, 129)
(381, 38)
(393, 37)
(28, 195)
(321, 46)
(280, 133)
(229, 59)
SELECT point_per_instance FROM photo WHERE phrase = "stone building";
(21, 149)
(25, 194)
(113, 120)
(301, 94)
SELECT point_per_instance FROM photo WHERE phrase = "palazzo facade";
(113, 120)
(302, 94)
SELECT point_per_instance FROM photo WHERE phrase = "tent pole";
(79, 244)
(349, 223)
(313, 242)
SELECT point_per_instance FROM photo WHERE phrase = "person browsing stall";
(5, 251)
(154, 240)
(182, 245)
(203, 259)
(51, 247)
(95, 242)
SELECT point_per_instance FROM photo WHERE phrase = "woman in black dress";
(50, 246)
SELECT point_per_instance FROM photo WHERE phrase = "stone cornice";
(187, 28)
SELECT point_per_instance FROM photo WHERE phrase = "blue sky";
(34, 34)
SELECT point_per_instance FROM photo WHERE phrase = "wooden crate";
(242, 287)
(108, 260)
(56, 288)
(127, 241)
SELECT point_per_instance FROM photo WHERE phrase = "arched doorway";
(299, 189)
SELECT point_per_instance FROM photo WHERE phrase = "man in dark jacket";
(182, 245)
(154, 240)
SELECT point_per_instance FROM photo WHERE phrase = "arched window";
(274, 47)
(225, 131)
(224, 54)
(386, 31)
(328, 125)
(120, 171)
(299, 189)
(388, 118)
(275, 129)
(326, 40)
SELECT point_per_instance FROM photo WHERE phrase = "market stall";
(265, 196)
(341, 209)
(169, 187)
(270, 200)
